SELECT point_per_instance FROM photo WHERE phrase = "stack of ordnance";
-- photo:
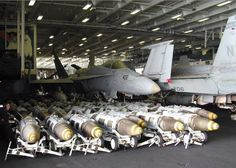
(53, 127)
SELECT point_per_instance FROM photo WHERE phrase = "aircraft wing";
(53, 81)
(85, 77)
(67, 80)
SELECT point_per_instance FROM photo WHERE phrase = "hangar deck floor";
(219, 152)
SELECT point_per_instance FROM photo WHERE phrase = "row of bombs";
(54, 131)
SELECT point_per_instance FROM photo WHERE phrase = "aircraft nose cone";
(155, 88)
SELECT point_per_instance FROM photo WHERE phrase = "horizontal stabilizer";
(191, 76)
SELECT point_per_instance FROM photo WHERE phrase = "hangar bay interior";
(128, 83)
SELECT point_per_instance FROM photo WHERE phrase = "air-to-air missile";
(59, 127)
(85, 125)
(122, 125)
(29, 130)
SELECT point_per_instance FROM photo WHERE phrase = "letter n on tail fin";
(159, 61)
(226, 54)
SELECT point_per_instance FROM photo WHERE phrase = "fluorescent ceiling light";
(188, 31)
(130, 37)
(64, 49)
(158, 39)
(63, 52)
(114, 51)
(105, 47)
(130, 47)
(51, 37)
(99, 35)
(198, 48)
(86, 53)
(38, 48)
(114, 40)
(202, 20)
(189, 46)
(88, 50)
(155, 29)
(81, 44)
(176, 16)
(40, 17)
(32, 2)
(183, 41)
(125, 23)
(84, 38)
(135, 11)
(85, 20)
(87, 6)
(224, 3)
(141, 42)
(105, 54)
(50, 44)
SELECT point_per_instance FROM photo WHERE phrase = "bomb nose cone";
(67, 134)
(170, 124)
(143, 124)
(155, 88)
(31, 133)
(33, 138)
(138, 121)
(96, 132)
(127, 127)
(212, 126)
(63, 131)
(136, 130)
(212, 116)
(179, 126)
(207, 114)
(203, 124)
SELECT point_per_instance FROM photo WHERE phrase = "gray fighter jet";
(200, 84)
(110, 78)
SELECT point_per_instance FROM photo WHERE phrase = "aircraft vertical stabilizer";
(59, 67)
(226, 53)
(159, 61)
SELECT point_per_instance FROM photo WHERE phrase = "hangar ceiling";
(105, 29)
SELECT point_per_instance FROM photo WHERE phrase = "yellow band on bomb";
(136, 130)
(67, 134)
(212, 116)
(179, 126)
(96, 132)
(212, 126)
(142, 123)
(33, 137)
